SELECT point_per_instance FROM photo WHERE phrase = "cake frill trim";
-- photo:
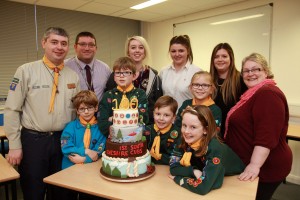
(136, 174)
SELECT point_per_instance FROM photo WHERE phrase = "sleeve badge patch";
(194, 182)
(174, 134)
(13, 86)
(216, 160)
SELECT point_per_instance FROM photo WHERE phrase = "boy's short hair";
(124, 63)
(85, 96)
(165, 101)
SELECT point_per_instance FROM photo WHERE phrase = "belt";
(48, 133)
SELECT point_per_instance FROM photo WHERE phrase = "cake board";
(127, 180)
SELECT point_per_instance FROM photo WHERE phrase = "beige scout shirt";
(29, 97)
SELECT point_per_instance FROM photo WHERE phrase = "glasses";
(90, 45)
(89, 109)
(198, 86)
(254, 71)
(127, 73)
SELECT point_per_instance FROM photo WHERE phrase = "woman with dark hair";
(176, 77)
(228, 80)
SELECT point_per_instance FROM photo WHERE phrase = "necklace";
(220, 82)
(52, 77)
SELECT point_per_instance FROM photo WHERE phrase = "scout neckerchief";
(87, 132)
(156, 143)
(207, 102)
(56, 70)
(124, 104)
(186, 158)
(245, 97)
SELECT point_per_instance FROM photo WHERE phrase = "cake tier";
(125, 150)
(126, 134)
(128, 117)
(126, 167)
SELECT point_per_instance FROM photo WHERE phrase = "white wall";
(284, 57)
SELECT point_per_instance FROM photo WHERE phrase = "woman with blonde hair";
(256, 128)
(137, 48)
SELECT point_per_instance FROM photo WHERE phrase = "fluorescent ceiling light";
(237, 19)
(147, 4)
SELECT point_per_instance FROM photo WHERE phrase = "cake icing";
(126, 154)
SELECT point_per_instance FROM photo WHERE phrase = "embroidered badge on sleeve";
(216, 160)
(174, 134)
(14, 84)
(194, 182)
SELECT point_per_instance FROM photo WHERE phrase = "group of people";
(205, 125)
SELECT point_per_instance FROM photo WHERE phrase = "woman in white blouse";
(176, 77)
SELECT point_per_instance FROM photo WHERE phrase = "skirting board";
(294, 109)
(293, 179)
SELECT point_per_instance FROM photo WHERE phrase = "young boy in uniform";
(81, 140)
(124, 73)
(162, 136)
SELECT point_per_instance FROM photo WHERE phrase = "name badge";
(71, 85)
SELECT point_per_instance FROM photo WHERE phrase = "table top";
(7, 172)
(86, 178)
(2, 134)
(294, 131)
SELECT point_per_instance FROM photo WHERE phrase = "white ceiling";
(121, 8)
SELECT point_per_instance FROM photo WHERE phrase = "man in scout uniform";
(163, 135)
(37, 109)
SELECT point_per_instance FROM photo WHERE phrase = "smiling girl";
(203, 90)
(201, 161)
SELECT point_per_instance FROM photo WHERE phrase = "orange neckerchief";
(186, 158)
(128, 89)
(207, 102)
(156, 143)
(56, 70)
(87, 132)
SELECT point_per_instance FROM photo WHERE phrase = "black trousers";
(265, 191)
(42, 157)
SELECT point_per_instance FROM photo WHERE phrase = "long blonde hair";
(142, 40)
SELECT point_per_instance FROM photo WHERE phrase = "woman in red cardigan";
(256, 128)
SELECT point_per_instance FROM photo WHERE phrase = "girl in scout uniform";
(162, 135)
(203, 90)
(200, 162)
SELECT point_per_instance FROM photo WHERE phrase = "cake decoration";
(126, 158)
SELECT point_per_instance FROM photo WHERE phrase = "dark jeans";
(42, 157)
(265, 191)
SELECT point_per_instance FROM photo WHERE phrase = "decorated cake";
(126, 157)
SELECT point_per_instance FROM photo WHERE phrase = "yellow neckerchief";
(186, 158)
(124, 104)
(87, 132)
(128, 89)
(56, 70)
(207, 102)
(156, 143)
